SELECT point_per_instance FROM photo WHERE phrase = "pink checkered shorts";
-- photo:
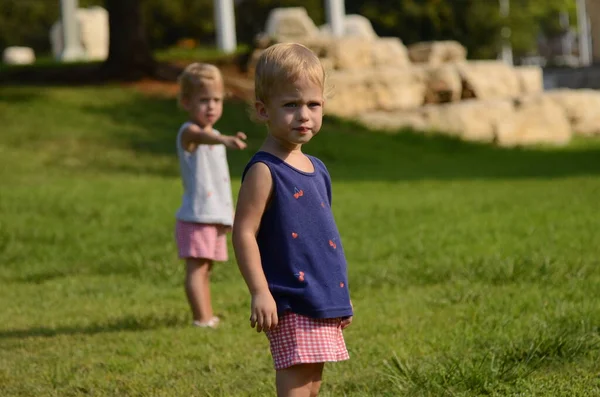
(200, 240)
(301, 340)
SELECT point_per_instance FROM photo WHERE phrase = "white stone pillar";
(593, 12)
(335, 10)
(583, 30)
(225, 25)
(507, 54)
(72, 48)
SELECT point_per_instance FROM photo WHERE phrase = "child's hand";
(263, 312)
(346, 321)
(236, 142)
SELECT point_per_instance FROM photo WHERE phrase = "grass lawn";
(473, 270)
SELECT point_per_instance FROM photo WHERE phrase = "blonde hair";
(285, 62)
(198, 76)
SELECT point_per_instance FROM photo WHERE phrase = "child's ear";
(261, 111)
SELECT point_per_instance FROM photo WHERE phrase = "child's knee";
(301, 375)
(198, 265)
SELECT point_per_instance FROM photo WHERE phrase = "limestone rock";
(396, 89)
(290, 23)
(470, 120)
(531, 79)
(336, 54)
(357, 91)
(322, 46)
(488, 80)
(437, 52)
(351, 53)
(389, 52)
(16, 55)
(394, 120)
(93, 33)
(354, 53)
(354, 26)
(328, 65)
(537, 120)
(443, 83)
(349, 93)
(582, 108)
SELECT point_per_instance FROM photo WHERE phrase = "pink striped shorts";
(301, 340)
(200, 240)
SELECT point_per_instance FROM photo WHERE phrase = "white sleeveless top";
(206, 186)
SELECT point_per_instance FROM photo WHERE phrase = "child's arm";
(193, 134)
(252, 201)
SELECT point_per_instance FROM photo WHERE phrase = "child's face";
(205, 106)
(294, 113)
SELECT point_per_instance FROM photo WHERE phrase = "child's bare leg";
(316, 383)
(197, 288)
(303, 380)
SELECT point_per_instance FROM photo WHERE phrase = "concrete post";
(72, 48)
(335, 10)
(593, 24)
(507, 54)
(225, 24)
(583, 29)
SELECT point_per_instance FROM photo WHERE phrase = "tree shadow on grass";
(19, 97)
(126, 323)
(42, 277)
(350, 151)
(76, 73)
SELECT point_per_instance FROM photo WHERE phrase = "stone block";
(16, 55)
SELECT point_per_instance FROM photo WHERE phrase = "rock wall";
(551, 117)
(431, 86)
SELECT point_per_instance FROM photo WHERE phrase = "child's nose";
(303, 113)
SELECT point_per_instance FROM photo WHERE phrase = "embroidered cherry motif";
(341, 285)
(294, 235)
(301, 276)
(298, 193)
(332, 244)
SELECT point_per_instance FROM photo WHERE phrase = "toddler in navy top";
(285, 238)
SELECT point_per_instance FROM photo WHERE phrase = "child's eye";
(290, 105)
(314, 104)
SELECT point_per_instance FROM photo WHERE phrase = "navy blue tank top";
(299, 243)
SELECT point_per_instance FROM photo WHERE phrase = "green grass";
(206, 54)
(172, 54)
(473, 270)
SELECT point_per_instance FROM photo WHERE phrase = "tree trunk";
(129, 55)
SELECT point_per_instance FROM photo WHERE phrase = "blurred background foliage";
(474, 23)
